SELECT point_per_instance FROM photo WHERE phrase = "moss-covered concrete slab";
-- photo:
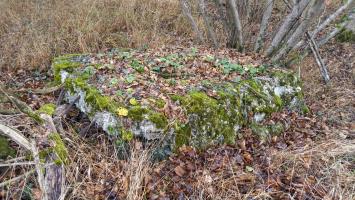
(180, 96)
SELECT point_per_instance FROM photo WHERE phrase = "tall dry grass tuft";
(33, 31)
(139, 167)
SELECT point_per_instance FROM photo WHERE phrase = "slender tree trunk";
(220, 7)
(263, 26)
(236, 36)
(187, 11)
(210, 33)
(286, 26)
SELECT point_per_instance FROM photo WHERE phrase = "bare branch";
(5, 183)
(337, 29)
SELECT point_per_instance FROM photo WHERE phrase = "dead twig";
(5, 183)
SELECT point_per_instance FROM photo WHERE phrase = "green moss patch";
(48, 109)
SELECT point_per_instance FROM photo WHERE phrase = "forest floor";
(313, 159)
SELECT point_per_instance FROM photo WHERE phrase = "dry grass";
(329, 163)
(32, 31)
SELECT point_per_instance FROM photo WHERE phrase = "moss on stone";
(215, 118)
(261, 131)
(43, 154)
(59, 149)
(211, 120)
(276, 129)
(63, 63)
(137, 113)
(183, 135)
(158, 119)
(278, 101)
(176, 97)
(103, 102)
(48, 109)
(126, 135)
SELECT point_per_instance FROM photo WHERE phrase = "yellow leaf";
(133, 101)
(122, 111)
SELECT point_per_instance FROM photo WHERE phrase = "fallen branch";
(39, 91)
(61, 96)
(9, 112)
(320, 62)
(15, 159)
(50, 178)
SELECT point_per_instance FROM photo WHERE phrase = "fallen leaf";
(180, 171)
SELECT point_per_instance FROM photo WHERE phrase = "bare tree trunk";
(263, 26)
(220, 6)
(313, 11)
(210, 33)
(187, 11)
(286, 26)
(236, 36)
